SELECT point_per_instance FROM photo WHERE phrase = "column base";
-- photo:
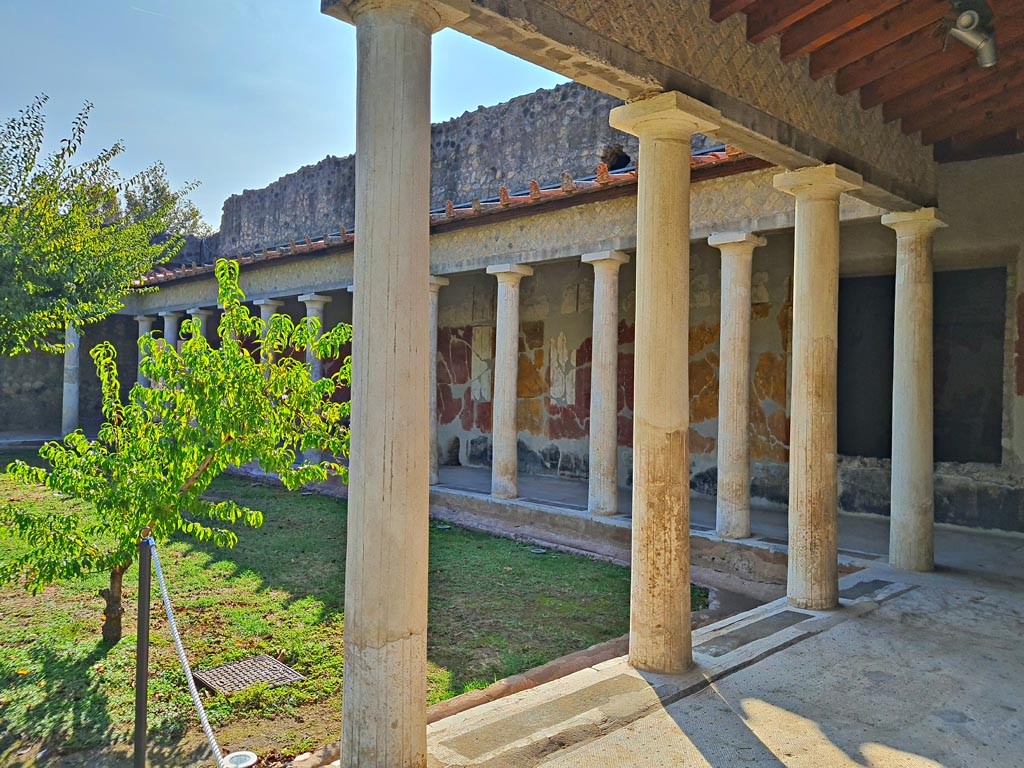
(809, 604)
(504, 489)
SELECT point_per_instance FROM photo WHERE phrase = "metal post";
(142, 649)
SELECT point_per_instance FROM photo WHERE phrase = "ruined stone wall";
(532, 137)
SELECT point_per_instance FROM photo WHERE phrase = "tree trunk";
(115, 609)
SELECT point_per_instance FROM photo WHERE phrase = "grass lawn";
(495, 610)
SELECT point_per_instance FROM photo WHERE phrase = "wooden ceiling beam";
(934, 67)
(723, 9)
(938, 125)
(876, 65)
(1001, 84)
(1012, 117)
(831, 22)
(771, 17)
(906, 19)
(953, 87)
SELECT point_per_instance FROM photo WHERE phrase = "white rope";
(184, 660)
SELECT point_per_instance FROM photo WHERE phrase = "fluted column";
(603, 493)
(384, 723)
(69, 420)
(813, 580)
(315, 304)
(733, 502)
(504, 431)
(659, 623)
(912, 521)
(434, 284)
(172, 329)
(145, 326)
(203, 316)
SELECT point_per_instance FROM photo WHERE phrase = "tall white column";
(504, 431)
(659, 622)
(384, 724)
(912, 521)
(145, 326)
(733, 503)
(203, 316)
(69, 421)
(603, 495)
(434, 284)
(813, 580)
(171, 327)
(315, 303)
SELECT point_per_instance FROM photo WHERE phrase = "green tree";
(209, 409)
(75, 238)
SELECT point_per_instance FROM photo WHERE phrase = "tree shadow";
(71, 708)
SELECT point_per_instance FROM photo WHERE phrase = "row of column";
(386, 573)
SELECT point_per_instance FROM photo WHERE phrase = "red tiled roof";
(603, 179)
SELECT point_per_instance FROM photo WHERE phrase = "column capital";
(617, 258)
(144, 318)
(315, 298)
(436, 14)
(171, 315)
(435, 283)
(509, 272)
(669, 114)
(200, 312)
(818, 182)
(268, 303)
(748, 240)
(923, 221)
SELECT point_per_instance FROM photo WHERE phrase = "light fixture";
(973, 27)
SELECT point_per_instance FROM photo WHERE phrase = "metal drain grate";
(240, 675)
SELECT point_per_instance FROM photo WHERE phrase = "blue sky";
(232, 93)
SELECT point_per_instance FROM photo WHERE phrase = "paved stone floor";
(913, 671)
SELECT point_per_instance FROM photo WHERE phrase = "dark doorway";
(866, 312)
(969, 329)
(970, 326)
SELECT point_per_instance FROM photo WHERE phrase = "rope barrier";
(221, 763)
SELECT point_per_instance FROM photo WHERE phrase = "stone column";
(912, 522)
(813, 580)
(659, 623)
(203, 316)
(268, 308)
(504, 430)
(384, 725)
(733, 503)
(603, 494)
(315, 303)
(434, 283)
(171, 327)
(72, 355)
(145, 326)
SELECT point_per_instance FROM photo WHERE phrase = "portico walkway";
(913, 670)
(553, 501)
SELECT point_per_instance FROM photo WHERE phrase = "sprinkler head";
(241, 759)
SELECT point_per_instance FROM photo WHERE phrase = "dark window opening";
(969, 331)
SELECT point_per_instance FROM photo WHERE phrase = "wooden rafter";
(1009, 118)
(964, 101)
(955, 87)
(771, 17)
(899, 54)
(831, 22)
(723, 9)
(906, 19)
(956, 59)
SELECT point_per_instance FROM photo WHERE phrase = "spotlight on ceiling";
(972, 26)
